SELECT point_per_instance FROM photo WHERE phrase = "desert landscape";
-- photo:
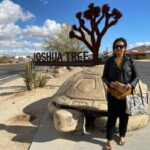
(22, 111)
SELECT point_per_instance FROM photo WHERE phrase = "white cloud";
(16, 40)
(44, 1)
(9, 31)
(37, 45)
(19, 44)
(19, 51)
(13, 44)
(138, 44)
(49, 28)
(11, 12)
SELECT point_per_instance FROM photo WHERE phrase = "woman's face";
(119, 48)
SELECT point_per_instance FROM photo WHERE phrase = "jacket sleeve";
(135, 75)
(105, 74)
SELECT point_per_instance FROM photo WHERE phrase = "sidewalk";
(47, 138)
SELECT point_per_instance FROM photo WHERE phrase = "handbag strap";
(141, 94)
(133, 97)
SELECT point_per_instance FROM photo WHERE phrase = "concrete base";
(134, 123)
(47, 138)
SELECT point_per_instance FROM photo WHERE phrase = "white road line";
(9, 77)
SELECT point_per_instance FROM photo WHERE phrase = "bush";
(41, 80)
(6, 59)
(31, 79)
(29, 75)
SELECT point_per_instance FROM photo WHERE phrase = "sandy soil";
(21, 111)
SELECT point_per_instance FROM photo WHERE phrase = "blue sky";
(25, 24)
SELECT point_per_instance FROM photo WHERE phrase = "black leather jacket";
(128, 72)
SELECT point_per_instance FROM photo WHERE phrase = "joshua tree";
(94, 15)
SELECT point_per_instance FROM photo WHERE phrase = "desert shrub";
(29, 75)
(6, 59)
(41, 80)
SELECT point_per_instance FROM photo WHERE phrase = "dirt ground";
(21, 111)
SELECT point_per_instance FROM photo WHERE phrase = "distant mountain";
(142, 47)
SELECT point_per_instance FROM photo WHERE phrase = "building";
(138, 53)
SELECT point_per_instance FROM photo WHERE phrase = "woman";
(121, 77)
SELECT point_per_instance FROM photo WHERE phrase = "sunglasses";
(119, 46)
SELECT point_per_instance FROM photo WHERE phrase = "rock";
(61, 70)
(134, 123)
(49, 76)
(67, 120)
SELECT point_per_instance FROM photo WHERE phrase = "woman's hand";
(120, 86)
(128, 86)
(113, 85)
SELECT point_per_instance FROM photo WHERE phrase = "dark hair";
(120, 39)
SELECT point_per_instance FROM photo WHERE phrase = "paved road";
(11, 69)
(10, 72)
(144, 72)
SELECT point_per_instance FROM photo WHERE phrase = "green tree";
(6, 59)
(62, 43)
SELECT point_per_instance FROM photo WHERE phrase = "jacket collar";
(125, 57)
